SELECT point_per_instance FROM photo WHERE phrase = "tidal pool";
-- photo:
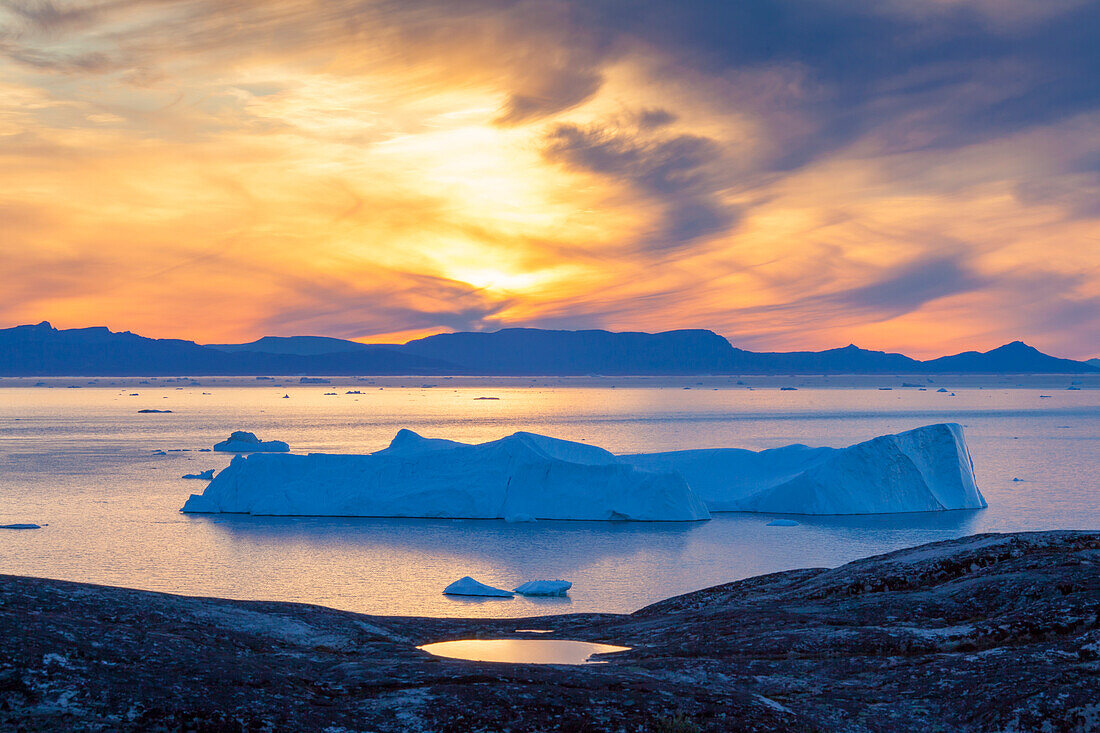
(522, 651)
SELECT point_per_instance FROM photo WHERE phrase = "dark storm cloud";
(863, 54)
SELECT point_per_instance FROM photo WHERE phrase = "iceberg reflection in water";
(522, 651)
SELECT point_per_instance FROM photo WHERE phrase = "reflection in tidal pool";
(522, 651)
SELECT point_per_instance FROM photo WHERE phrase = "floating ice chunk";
(207, 475)
(142, 412)
(20, 526)
(941, 389)
(241, 441)
(544, 588)
(314, 380)
(467, 586)
(522, 474)
(782, 523)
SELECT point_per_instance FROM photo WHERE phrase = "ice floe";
(544, 588)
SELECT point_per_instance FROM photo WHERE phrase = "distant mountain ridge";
(42, 350)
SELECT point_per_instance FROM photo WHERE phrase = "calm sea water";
(81, 460)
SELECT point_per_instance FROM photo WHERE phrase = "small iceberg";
(467, 586)
(314, 380)
(145, 412)
(782, 523)
(241, 441)
(207, 475)
(20, 526)
(544, 588)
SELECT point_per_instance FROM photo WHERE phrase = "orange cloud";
(373, 170)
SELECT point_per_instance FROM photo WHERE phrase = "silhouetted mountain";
(1093, 362)
(300, 345)
(1016, 357)
(849, 360)
(534, 351)
(42, 350)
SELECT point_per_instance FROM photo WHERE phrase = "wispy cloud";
(915, 175)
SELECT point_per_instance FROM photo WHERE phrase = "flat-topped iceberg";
(241, 441)
(921, 470)
(520, 475)
(543, 588)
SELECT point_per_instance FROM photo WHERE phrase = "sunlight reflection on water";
(522, 651)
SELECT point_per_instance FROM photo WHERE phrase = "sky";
(919, 176)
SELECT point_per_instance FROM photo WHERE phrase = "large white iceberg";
(522, 474)
(525, 477)
(926, 469)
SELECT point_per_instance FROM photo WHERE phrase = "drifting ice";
(525, 476)
(207, 475)
(544, 588)
(245, 442)
(467, 586)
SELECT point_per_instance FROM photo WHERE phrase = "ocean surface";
(81, 461)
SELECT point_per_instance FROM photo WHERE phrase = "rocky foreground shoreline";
(996, 632)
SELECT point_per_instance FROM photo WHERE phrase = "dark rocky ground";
(991, 632)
